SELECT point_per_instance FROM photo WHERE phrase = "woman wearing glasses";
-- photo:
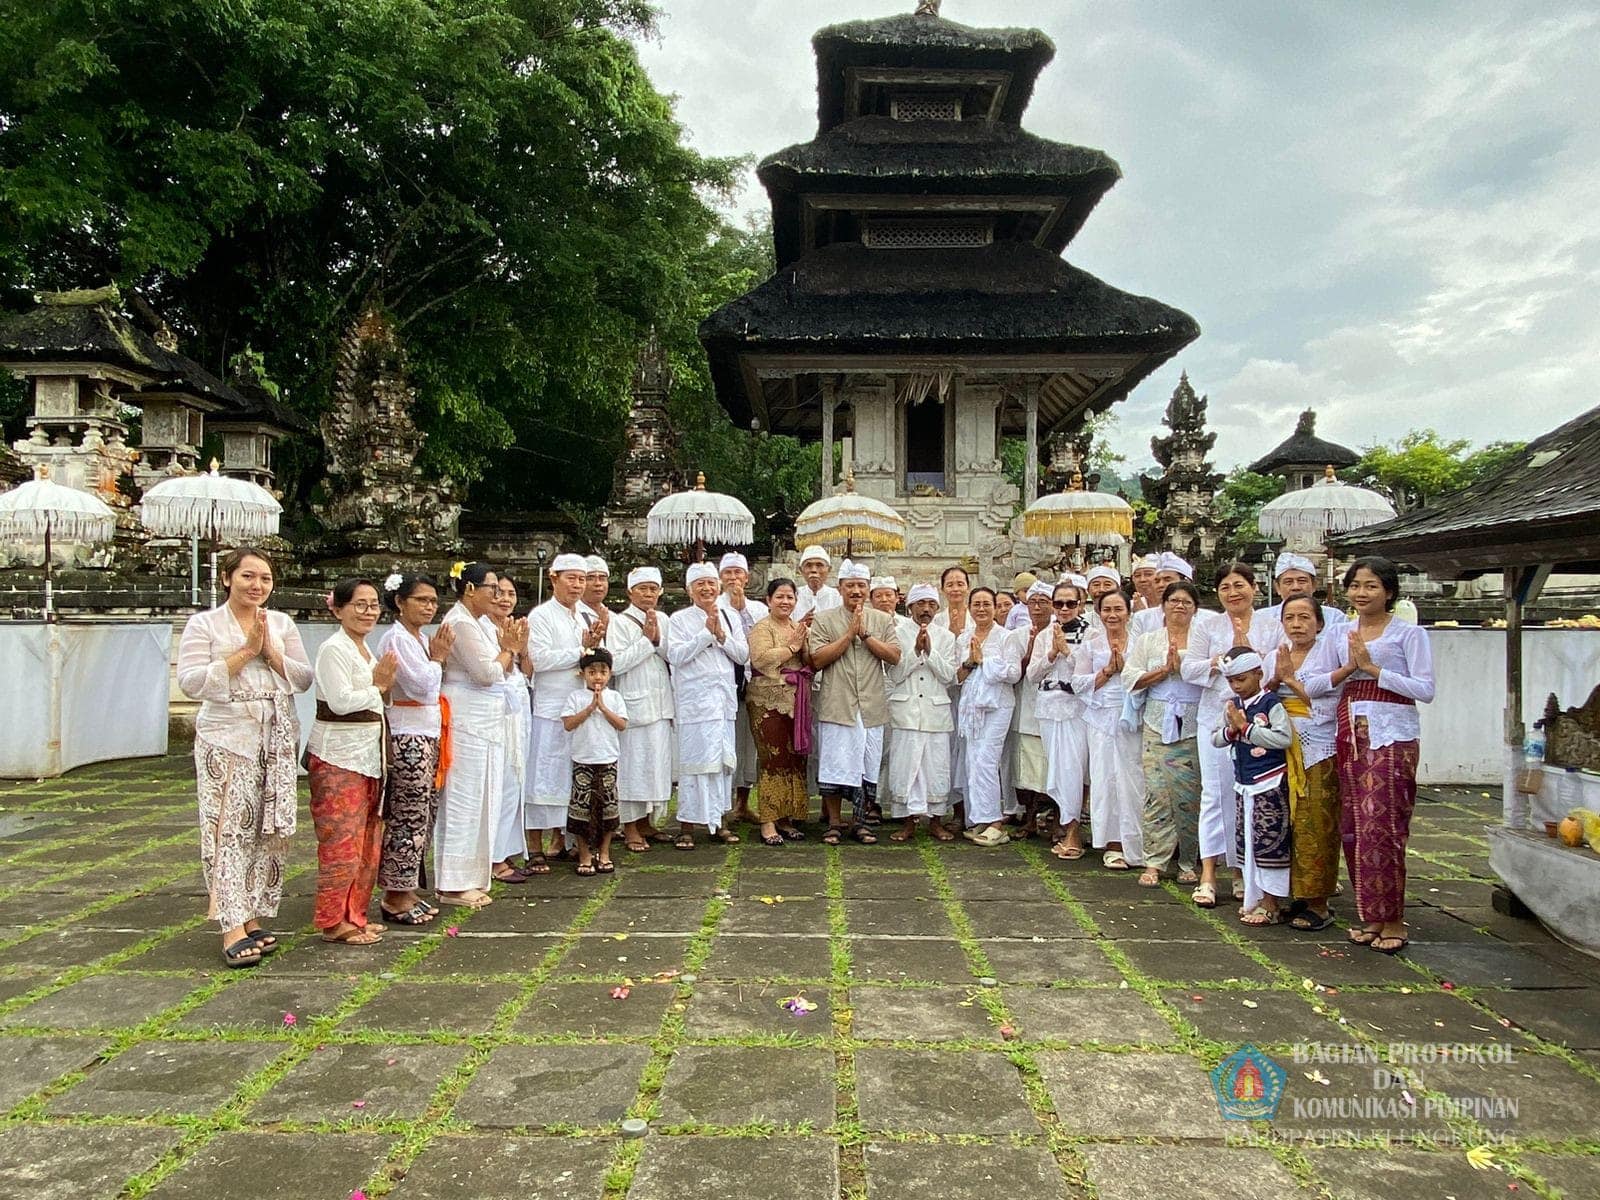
(417, 731)
(1060, 712)
(1171, 822)
(345, 756)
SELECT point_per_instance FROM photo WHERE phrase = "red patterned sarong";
(1377, 790)
(344, 808)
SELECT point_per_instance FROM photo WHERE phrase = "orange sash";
(446, 743)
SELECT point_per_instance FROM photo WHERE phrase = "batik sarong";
(1171, 821)
(781, 782)
(1377, 791)
(592, 809)
(410, 806)
(242, 860)
(345, 809)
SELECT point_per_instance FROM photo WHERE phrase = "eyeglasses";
(1065, 603)
(425, 601)
(365, 605)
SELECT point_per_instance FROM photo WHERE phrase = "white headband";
(883, 581)
(853, 570)
(1240, 664)
(1076, 580)
(734, 559)
(568, 562)
(1104, 573)
(1041, 589)
(699, 571)
(595, 565)
(1148, 562)
(814, 552)
(1293, 562)
(921, 591)
(643, 575)
(1171, 562)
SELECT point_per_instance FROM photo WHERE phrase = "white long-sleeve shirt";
(209, 639)
(555, 639)
(1319, 732)
(418, 680)
(344, 684)
(1210, 637)
(821, 600)
(919, 684)
(473, 659)
(1404, 658)
(989, 688)
(1171, 703)
(702, 668)
(1052, 681)
(1025, 717)
(639, 667)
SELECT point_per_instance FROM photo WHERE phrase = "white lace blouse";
(1318, 732)
(237, 725)
(1404, 658)
(417, 680)
(344, 684)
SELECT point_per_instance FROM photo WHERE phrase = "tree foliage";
(1422, 465)
(500, 174)
(1238, 503)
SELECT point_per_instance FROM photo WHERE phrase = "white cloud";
(1383, 212)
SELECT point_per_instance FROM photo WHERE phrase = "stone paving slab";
(920, 1014)
(479, 1167)
(629, 915)
(1363, 1175)
(29, 1063)
(696, 885)
(1193, 962)
(785, 915)
(901, 1172)
(1337, 962)
(1131, 1095)
(1487, 964)
(1573, 1178)
(941, 1091)
(905, 886)
(166, 1079)
(553, 1085)
(590, 1010)
(898, 918)
(1263, 1017)
(519, 912)
(103, 1001)
(487, 954)
(754, 957)
(69, 947)
(1061, 961)
(1023, 920)
(733, 1085)
(433, 1007)
(260, 1004)
(777, 1168)
(902, 960)
(277, 1166)
(1551, 1099)
(1423, 1017)
(75, 1162)
(720, 1010)
(1570, 1018)
(1182, 1172)
(359, 1083)
(639, 955)
(1111, 1017)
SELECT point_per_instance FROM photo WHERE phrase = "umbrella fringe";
(676, 529)
(229, 519)
(1061, 525)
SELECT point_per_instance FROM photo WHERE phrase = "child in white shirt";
(594, 715)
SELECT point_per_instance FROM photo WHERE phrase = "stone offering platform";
(801, 1024)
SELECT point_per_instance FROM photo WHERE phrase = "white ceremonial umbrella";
(696, 517)
(1325, 507)
(213, 506)
(1078, 518)
(846, 519)
(43, 509)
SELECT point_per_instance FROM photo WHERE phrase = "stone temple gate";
(921, 307)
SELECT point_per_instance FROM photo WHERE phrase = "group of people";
(1238, 745)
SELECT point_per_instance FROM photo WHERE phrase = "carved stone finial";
(927, 8)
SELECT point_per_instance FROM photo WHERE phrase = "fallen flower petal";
(289, 1019)
(620, 993)
(452, 930)
(358, 1104)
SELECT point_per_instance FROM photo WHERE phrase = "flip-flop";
(1149, 879)
(237, 954)
(586, 869)
(463, 902)
(1363, 937)
(1310, 922)
(833, 836)
(1403, 943)
(637, 847)
(605, 868)
(685, 841)
(266, 939)
(792, 835)
(359, 935)
(536, 864)
(900, 835)
(1069, 854)
(415, 915)
(1205, 896)
(1259, 917)
(864, 836)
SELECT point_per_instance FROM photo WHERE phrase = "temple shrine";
(921, 310)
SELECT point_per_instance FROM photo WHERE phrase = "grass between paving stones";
(850, 1134)
(1465, 1131)
(89, 834)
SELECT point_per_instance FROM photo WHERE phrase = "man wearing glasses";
(1060, 713)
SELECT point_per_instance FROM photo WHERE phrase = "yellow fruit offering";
(1570, 831)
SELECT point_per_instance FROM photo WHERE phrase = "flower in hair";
(456, 569)
(393, 582)
(327, 599)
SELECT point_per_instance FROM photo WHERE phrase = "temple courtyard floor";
(901, 1021)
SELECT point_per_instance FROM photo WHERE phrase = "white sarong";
(872, 761)
(508, 840)
(1258, 880)
(549, 785)
(1217, 816)
(1116, 784)
(1066, 751)
(919, 774)
(744, 742)
(841, 754)
(705, 770)
(645, 770)
(463, 832)
(983, 749)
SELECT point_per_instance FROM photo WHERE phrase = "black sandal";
(685, 841)
(238, 955)
(1311, 922)
(412, 916)
(605, 867)
(792, 835)
(834, 835)
(864, 836)
(585, 869)
(775, 840)
(726, 837)
(266, 939)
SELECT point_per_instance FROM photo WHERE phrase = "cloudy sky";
(1388, 212)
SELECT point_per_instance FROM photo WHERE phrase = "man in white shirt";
(1146, 588)
(883, 594)
(733, 572)
(815, 593)
(1028, 768)
(638, 643)
(1017, 618)
(1169, 569)
(1295, 575)
(704, 646)
(920, 714)
(596, 583)
(559, 631)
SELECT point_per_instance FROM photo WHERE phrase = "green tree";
(1238, 502)
(1422, 465)
(500, 174)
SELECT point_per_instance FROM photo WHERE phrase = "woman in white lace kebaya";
(244, 664)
